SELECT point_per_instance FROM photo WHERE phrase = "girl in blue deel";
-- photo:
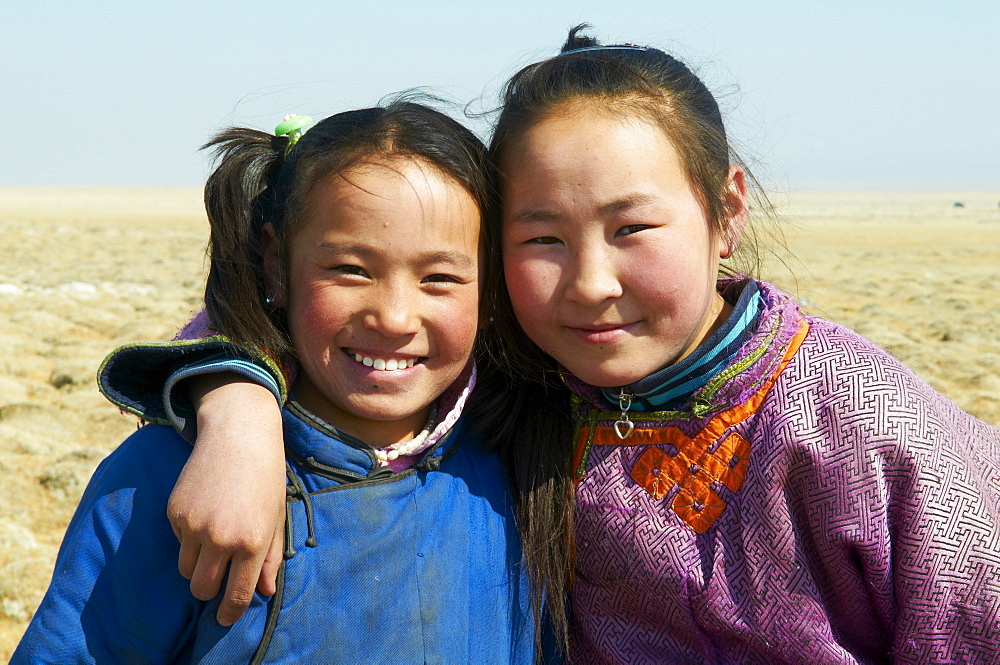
(354, 248)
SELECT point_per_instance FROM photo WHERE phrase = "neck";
(380, 434)
(376, 433)
(715, 317)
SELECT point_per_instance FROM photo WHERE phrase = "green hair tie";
(293, 126)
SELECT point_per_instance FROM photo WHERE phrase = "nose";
(592, 278)
(393, 311)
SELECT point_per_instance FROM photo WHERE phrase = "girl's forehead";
(588, 138)
(401, 164)
(398, 194)
(379, 175)
(596, 166)
(575, 119)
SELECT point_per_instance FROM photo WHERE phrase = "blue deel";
(421, 566)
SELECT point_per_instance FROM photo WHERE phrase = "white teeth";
(381, 364)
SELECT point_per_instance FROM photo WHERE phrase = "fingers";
(248, 564)
(188, 558)
(210, 569)
(251, 566)
(229, 499)
(243, 573)
(267, 583)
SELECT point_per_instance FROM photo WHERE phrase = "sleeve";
(175, 404)
(943, 509)
(901, 498)
(141, 378)
(115, 594)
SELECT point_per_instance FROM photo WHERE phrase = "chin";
(602, 379)
(387, 412)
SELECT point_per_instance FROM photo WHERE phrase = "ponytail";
(238, 200)
(578, 39)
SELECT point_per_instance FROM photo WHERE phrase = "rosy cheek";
(464, 325)
(310, 308)
(313, 313)
(524, 285)
(464, 339)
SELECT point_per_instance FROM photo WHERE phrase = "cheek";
(674, 289)
(458, 325)
(672, 270)
(531, 285)
(462, 334)
(314, 314)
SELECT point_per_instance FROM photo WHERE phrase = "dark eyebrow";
(457, 259)
(363, 251)
(534, 215)
(537, 215)
(625, 203)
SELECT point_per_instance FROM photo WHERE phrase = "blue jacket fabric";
(421, 566)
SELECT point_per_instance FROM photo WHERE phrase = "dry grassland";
(83, 270)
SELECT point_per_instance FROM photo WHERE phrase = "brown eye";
(350, 270)
(439, 278)
(631, 228)
(543, 240)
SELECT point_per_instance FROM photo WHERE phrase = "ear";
(272, 266)
(739, 210)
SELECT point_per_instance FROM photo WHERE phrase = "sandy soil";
(83, 270)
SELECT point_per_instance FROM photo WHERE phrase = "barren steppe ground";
(83, 270)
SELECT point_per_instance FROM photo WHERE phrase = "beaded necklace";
(403, 448)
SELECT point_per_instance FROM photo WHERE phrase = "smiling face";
(609, 256)
(383, 294)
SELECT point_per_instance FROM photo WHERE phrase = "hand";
(228, 506)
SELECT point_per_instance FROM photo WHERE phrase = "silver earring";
(270, 298)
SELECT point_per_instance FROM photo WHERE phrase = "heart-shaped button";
(623, 428)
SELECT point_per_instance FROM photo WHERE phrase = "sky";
(875, 95)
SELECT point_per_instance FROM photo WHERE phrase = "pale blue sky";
(824, 95)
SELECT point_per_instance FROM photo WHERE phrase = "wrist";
(231, 408)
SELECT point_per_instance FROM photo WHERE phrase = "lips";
(602, 333)
(387, 364)
(600, 327)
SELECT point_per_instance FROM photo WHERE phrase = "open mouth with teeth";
(385, 364)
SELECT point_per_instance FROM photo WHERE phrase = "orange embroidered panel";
(700, 460)
(694, 469)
